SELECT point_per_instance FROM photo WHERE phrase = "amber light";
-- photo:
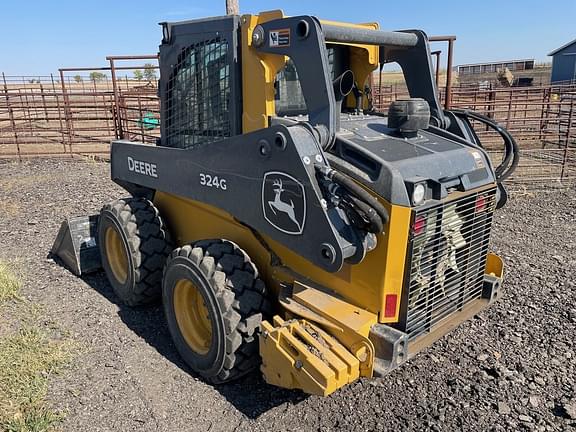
(390, 305)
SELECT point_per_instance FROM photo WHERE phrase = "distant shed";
(564, 63)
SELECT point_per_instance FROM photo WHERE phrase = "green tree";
(150, 72)
(97, 76)
(78, 79)
(138, 75)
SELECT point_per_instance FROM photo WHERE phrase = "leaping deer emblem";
(281, 206)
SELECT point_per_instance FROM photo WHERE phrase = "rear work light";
(418, 194)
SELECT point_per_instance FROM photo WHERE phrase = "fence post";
(67, 111)
(448, 101)
(44, 101)
(491, 106)
(59, 113)
(11, 116)
(140, 116)
(509, 109)
(568, 130)
(117, 122)
(544, 112)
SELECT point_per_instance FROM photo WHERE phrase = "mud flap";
(76, 244)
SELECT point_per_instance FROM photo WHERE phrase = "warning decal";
(280, 38)
(478, 161)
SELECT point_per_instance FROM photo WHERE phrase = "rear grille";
(447, 248)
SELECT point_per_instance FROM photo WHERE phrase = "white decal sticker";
(478, 161)
(280, 38)
(213, 181)
(141, 167)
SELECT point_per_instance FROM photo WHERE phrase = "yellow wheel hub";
(192, 316)
(116, 255)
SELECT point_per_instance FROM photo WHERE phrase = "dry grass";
(397, 77)
(9, 284)
(28, 358)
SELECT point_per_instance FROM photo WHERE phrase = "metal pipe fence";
(542, 119)
(79, 113)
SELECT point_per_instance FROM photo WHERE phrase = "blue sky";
(38, 37)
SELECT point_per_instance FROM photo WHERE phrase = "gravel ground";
(510, 368)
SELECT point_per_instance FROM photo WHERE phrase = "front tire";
(214, 303)
(134, 245)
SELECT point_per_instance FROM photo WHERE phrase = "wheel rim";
(116, 255)
(192, 316)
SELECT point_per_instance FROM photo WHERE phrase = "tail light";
(480, 204)
(419, 225)
(391, 302)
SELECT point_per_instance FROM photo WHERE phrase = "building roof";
(562, 47)
(496, 62)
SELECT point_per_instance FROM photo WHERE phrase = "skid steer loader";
(288, 225)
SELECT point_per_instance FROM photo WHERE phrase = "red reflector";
(419, 225)
(390, 305)
(480, 203)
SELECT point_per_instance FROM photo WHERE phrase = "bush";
(150, 72)
(97, 76)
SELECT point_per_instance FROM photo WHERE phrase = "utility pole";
(232, 7)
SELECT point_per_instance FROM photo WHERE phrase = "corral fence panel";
(80, 111)
(542, 120)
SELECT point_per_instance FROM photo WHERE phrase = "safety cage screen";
(199, 94)
(447, 250)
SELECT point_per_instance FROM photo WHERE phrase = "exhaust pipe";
(343, 85)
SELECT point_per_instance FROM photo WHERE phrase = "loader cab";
(200, 82)
(217, 82)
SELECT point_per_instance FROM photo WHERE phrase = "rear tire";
(134, 245)
(215, 282)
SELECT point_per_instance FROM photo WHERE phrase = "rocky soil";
(510, 368)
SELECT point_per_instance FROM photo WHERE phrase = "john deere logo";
(284, 202)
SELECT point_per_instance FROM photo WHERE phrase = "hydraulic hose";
(375, 213)
(511, 149)
(373, 221)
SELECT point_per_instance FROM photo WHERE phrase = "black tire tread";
(149, 244)
(241, 296)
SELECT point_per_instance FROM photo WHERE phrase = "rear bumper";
(392, 347)
(322, 345)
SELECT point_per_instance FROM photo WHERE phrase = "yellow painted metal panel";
(189, 221)
(494, 265)
(258, 73)
(380, 273)
(364, 59)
